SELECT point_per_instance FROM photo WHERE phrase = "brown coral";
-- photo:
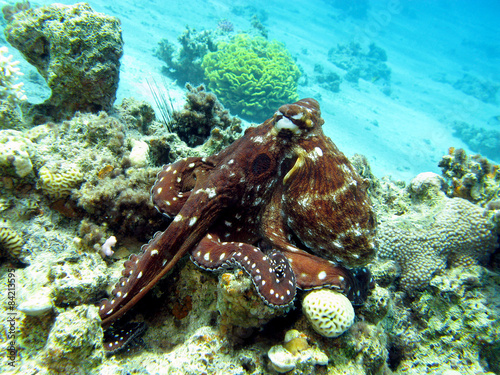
(201, 115)
(471, 177)
(76, 50)
(11, 243)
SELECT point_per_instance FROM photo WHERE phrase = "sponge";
(330, 313)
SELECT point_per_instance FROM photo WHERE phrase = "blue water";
(430, 45)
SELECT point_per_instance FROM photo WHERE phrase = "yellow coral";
(58, 184)
(251, 75)
(10, 241)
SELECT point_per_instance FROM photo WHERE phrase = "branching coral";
(201, 115)
(185, 65)
(252, 76)
(10, 89)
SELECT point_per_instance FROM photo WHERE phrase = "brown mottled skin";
(281, 189)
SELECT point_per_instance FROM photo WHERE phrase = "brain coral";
(329, 312)
(252, 76)
(76, 50)
(11, 242)
(451, 232)
(59, 184)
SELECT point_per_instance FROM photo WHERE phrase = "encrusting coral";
(439, 232)
(252, 76)
(16, 151)
(76, 50)
(471, 177)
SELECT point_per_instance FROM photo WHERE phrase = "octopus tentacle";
(164, 250)
(174, 184)
(310, 271)
(116, 340)
(271, 274)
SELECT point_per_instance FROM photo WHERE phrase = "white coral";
(15, 153)
(330, 313)
(10, 89)
(452, 232)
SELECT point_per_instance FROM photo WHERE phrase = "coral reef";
(370, 66)
(122, 201)
(252, 76)
(74, 343)
(11, 243)
(76, 50)
(471, 177)
(59, 184)
(10, 89)
(73, 285)
(11, 92)
(483, 90)
(479, 139)
(239, 305)
(135, 114)
(437, 232)
(203, 116)
(184, 65)
(10, 10)
(328, 80)
(16, 151)
(296, 354)
(453, 325)
(329, 312)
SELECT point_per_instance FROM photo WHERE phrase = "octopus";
(282, 203)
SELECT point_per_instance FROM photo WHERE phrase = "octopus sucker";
(287, 203)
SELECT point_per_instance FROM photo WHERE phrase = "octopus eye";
(261, 164)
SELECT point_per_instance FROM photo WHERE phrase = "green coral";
(252, 76)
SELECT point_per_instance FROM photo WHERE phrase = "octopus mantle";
(282, 202)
